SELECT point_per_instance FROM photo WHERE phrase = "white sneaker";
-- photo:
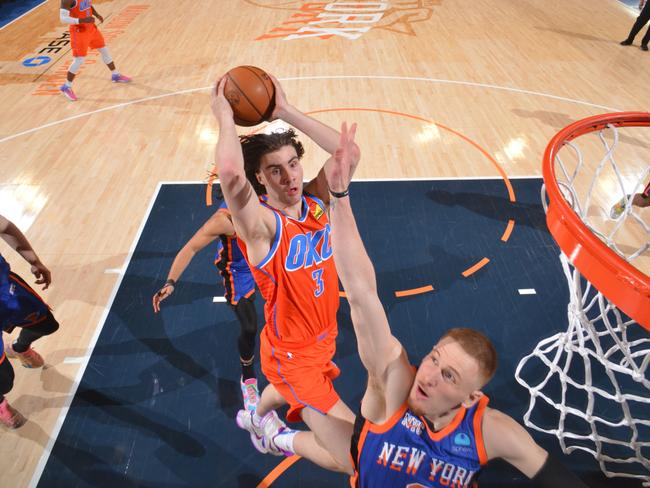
(262, 434)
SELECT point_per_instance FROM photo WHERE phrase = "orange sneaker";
(29, 358)
(10, 417)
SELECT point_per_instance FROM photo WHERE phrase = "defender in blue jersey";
(20, 306)
(424, 427)
(238, 284)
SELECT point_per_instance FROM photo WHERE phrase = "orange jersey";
(298, 278)
(81, 9)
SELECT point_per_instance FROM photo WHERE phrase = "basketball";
(251, 94)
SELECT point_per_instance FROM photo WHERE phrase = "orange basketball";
(251, 94)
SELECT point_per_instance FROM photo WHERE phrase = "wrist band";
(170, 282)
(340, 194)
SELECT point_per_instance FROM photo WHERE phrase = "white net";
(589, 386)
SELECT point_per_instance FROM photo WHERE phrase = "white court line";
(527, 291)
(308, 78)
(75, 359)
(218, 299)
(85, 358)
(29, 11)
(118, 271)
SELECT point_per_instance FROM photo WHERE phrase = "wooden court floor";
(435, 85)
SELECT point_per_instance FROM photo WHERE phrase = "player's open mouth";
(292, 191)
(421, 392)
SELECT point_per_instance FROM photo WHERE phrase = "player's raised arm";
(377, 346)
(252, 222)
(218, 224)
(323, 135)
(506, 439)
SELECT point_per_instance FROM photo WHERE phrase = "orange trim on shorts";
(478, 430)
(473, 269)
(508, 231)
(26, 286)
(342, 294)
(278, 470)
(389, 424)
(414, 291)
(3, 354)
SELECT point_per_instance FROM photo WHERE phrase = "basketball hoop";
(595, 376)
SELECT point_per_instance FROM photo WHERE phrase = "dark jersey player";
(20, 306)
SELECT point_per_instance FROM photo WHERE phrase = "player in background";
(239, 289)
(20, 306)
(428, 426)
(80, 16)
(640, 200)
(286, 243)
(640, 22)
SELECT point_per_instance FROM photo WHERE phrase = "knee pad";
(106, 57)
(76, 64)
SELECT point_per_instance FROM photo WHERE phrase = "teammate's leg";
(247, 316)
(22, 346)
(641, 20)
(9, 416)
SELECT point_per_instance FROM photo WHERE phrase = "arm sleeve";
(553, 474)
(64, 15)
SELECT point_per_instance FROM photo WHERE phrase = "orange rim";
(622, 283)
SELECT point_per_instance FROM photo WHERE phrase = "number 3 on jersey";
(318, 278)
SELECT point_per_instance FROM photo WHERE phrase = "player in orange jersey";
(84, 34)
(286, 240)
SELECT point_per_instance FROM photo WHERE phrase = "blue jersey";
(238, 280)
(20, 305)
(4, 271)
(405, 453)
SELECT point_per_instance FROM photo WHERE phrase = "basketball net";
(592, 380)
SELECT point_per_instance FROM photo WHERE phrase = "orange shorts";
(303, 375)
(84, 36)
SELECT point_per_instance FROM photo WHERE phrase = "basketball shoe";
(119, 78)
(68, 93)
(262, 434)
(280, 442)
(29, 358)
(10, 417)
(249, 393)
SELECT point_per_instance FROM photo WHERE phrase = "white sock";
(68, 84)
(284, 440)
(115, 72)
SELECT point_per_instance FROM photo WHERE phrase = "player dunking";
(84, 34)
(20, 306)
(239, 289)
(426, 427)
(286, 240)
